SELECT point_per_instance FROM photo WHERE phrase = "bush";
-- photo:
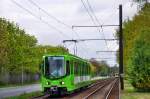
(140, 61)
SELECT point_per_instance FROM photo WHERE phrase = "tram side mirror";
(41, 67)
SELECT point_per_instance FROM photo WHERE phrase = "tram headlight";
(48, 83)
(62, 83)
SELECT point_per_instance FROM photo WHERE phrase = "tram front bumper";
(53, 90)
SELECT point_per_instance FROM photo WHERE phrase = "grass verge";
(130, 93)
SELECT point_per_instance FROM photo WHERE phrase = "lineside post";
(121, 48)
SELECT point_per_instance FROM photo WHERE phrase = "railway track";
(114, 92)
(47, 96)
(99, 88)
(103, 89)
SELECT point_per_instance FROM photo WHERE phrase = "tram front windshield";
(54, 66)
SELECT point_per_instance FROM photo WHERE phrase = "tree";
(114, 70)
(105, 71)
(102, 68)
(19, 49)
(140, 61)
(137, 48)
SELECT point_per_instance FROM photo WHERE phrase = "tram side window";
(75, 68)
(68, 67)
(41, 67)
(71, 67)
(83, 68)
(46, 66)
(80, 69)
(86, 69)
(89, 69)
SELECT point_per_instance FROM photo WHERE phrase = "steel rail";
(108, 94)
(48, 95)
(101, 81)
(100, 87)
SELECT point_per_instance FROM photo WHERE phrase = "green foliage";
(101, 68)
(114, 70)
(19, 50)
(140, 61)
(104, 68)
(136, 48)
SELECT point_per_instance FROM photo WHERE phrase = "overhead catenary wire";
(85, 50)
(48, 14)
(83, 3)
(93, 18)
(42, 19)
(53, 17)
(92, 10)
(97, 20)
(112, 14)
(45, 22)
(90, 7)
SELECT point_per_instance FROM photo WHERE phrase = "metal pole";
(121, 48)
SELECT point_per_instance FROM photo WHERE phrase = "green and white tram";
(61, 74)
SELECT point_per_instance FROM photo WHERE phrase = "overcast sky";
(51, 29)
